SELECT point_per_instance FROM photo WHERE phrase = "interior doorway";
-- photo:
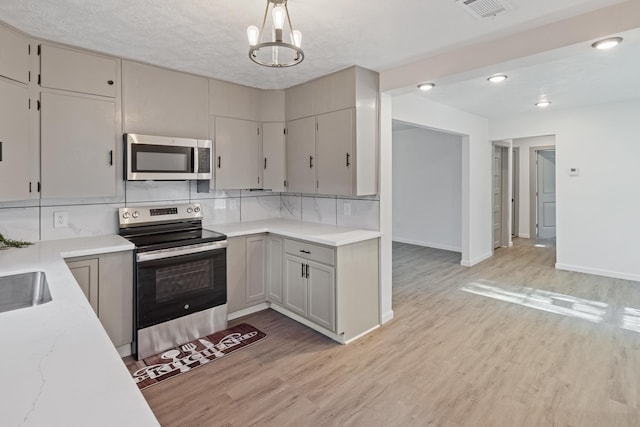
(501, 196)
(515, 192)
(543, 196)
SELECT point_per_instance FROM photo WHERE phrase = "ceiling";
(572, 77)
(208, 37)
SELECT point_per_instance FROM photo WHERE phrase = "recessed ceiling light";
(497, 78)
(426, 86)
(607, 43)
(543, 104)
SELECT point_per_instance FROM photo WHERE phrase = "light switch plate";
(60, 219)
(347, 209)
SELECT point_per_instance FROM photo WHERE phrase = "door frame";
(515, 186)
(533, 182)
(506, 240)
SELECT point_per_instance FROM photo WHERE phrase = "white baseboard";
(598, 272)
(386, 317)
(524, 235)
(475, 261)
(249, 310)
(361, 335)
(428, 244)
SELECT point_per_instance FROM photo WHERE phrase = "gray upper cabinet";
(345, 105)
(273, 153)
(301, 155)
(78, 138)
(335, 148)
(238, 154)
(235, 101)
(15, 162)
(157, 101)
(74, 71)
(14, 56)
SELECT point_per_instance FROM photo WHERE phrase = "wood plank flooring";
(509, 342)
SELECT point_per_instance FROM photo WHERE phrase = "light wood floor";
(544, 348)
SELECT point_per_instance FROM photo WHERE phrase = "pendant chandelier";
(277, 51)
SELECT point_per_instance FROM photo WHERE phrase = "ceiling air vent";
(484, 8)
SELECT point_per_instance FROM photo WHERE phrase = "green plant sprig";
(14, 243)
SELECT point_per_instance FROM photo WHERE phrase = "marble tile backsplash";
(34, 219)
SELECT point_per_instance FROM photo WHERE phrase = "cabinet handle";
(110, 82)
(348, 159)
(219, 161)
(310, 161)
(302, 265)
(111, 158)
(305, 252)
(0, 151)
(307, 271)
(265, 162)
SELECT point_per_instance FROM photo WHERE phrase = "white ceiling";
(570, 78)
(208, 37)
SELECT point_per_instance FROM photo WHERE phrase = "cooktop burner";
(161, 227)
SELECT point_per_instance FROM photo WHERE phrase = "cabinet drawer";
(78, 72)
(310, 251)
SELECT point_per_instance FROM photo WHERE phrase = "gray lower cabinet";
(107, 282)
(309, 286)
(246, 271)
(275, 246)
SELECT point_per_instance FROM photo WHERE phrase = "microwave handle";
(195, 159)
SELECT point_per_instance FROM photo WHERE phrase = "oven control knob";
(126, 215)
(189, 210)
(136, 214)
(186, 306)
(196, 209)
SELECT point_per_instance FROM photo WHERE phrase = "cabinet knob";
(110, 82)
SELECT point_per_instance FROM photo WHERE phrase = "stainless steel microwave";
(164, 158)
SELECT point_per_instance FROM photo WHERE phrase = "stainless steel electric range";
(180, 291)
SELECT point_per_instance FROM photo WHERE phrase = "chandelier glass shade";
(276, 44)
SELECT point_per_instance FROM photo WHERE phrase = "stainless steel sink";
(23, 290)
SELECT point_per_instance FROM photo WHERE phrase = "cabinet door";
(14, 56)
(237, 154)
(322, 300)
(273, 151)
(78, 140)
(256, 269)
(14, 141)
(295, 285)
(74, 71)
(335, 147)
(301, 153)
(115, 303)
(86, 274)
(236, 274)
(274, 268)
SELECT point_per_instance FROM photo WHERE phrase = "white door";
(322, 300)
(238, 154)
(273, 151)
(295, 285)
(14, 141)
(301, 153)
(546, 194)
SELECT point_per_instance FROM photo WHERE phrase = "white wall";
(598, 212)
(476, 166)
(427, 188)
(524, 178)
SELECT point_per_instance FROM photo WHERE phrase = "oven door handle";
(183, 250)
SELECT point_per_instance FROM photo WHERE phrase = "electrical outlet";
(60, 219)
(347, 209)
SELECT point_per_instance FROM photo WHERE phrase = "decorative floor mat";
(186, 357)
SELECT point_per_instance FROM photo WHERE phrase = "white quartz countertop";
(330, 235)
(58, 367)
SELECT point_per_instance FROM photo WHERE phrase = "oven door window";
(174, 287)
(161, 158)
